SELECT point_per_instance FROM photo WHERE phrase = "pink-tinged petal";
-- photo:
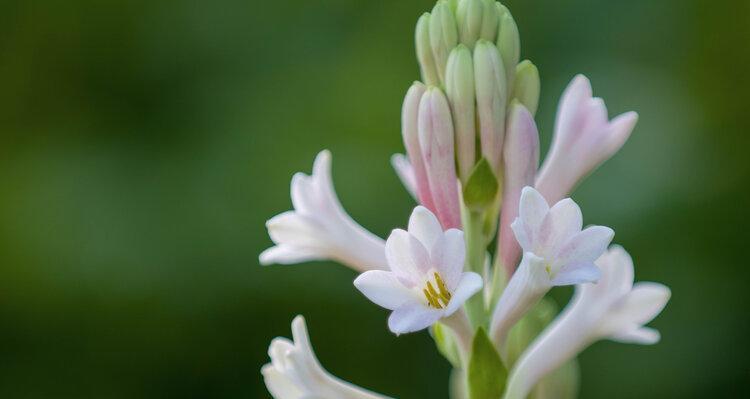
(383, 288)
(523, 236)
(586, 246)
(521, 158)
(412, 317)
(617, 273)
(561, 224)
(425, 226)
(410, 133)
(532, 209)
(620, 129)
(436, 140)
(448, 255)
(469, 285)
(641, 336)
(405, 173)
(577, 274)
(569, 119)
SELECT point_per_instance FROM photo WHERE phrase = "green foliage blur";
(143, 144)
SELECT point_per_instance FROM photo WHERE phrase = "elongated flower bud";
(437, 144)
(469, 20)
(526, 86)
(492, 94)
(508, 41)
(410, 133)
(459, 86)
(443, 35)
(521, 158)
(490, 20)
(424, 51)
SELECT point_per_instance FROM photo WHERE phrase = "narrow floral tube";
(436, 139)
(557, 252)
(584, 138)
(319, 228)
(410, 135)
(296, 373)
(521, 159)
(405, 173)
(614, 309)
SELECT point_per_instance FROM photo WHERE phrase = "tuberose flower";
(426, 281)
(295, 373)
(556, 252)
(584, 138)
(614, 309)
(319, 228)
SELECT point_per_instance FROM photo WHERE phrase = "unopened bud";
(508, 41)
(492, 96)
(410, 133)
(469, 20)
(490, 20)
(443, 35)
(526, 86)
(424, 51)
(459, 86)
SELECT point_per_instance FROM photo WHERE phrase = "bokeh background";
(143, 144)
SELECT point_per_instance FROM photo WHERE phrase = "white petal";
(412, 317)
(279, 385)
(405, 172)
(448, 256)
(398, 252)
(617, 273)
(620, 129)
(288, 255)
(563, 221)
(469, 285)
(293, 227)
(577, 274)
(586, 246)
(425, 226)
(645, 302)
(642, 336)
(522, 235)
(383, 288)
(532, 209)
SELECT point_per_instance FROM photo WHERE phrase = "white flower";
(405, 173)
(584, 138)
(614, 309)
(556, 253)
(426, 281)
(295, 373)
(319, 228)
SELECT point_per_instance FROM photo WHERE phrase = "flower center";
(437, 298)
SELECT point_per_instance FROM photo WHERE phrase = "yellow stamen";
(439, 298)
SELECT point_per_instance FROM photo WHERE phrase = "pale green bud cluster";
(471, 50)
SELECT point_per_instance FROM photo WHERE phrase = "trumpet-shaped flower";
(614, 309)
(295, 373)
(584, 138)
(556, 252)
(319, 228)
(426, 281)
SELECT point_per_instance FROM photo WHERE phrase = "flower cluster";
(472, 164)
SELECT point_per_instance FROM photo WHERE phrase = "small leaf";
(486, 373)
(481, 188)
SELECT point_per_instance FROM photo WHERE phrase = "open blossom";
(295, 373)
(584, 138)
(614, 309)
(556, 252)
(319, 228)
(426, 281)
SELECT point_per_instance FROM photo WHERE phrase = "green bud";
(424, 51)
(469, 20)
(508, 41)
(491, 88)
(490, 20)
(443, 35)
(526, 85)
(459, 86)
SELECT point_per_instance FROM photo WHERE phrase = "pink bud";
(410, 133)
(521, 158)
(436, 140)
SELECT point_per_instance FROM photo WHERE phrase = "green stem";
(475, 258)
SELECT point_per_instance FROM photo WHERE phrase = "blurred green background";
(143, 144)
